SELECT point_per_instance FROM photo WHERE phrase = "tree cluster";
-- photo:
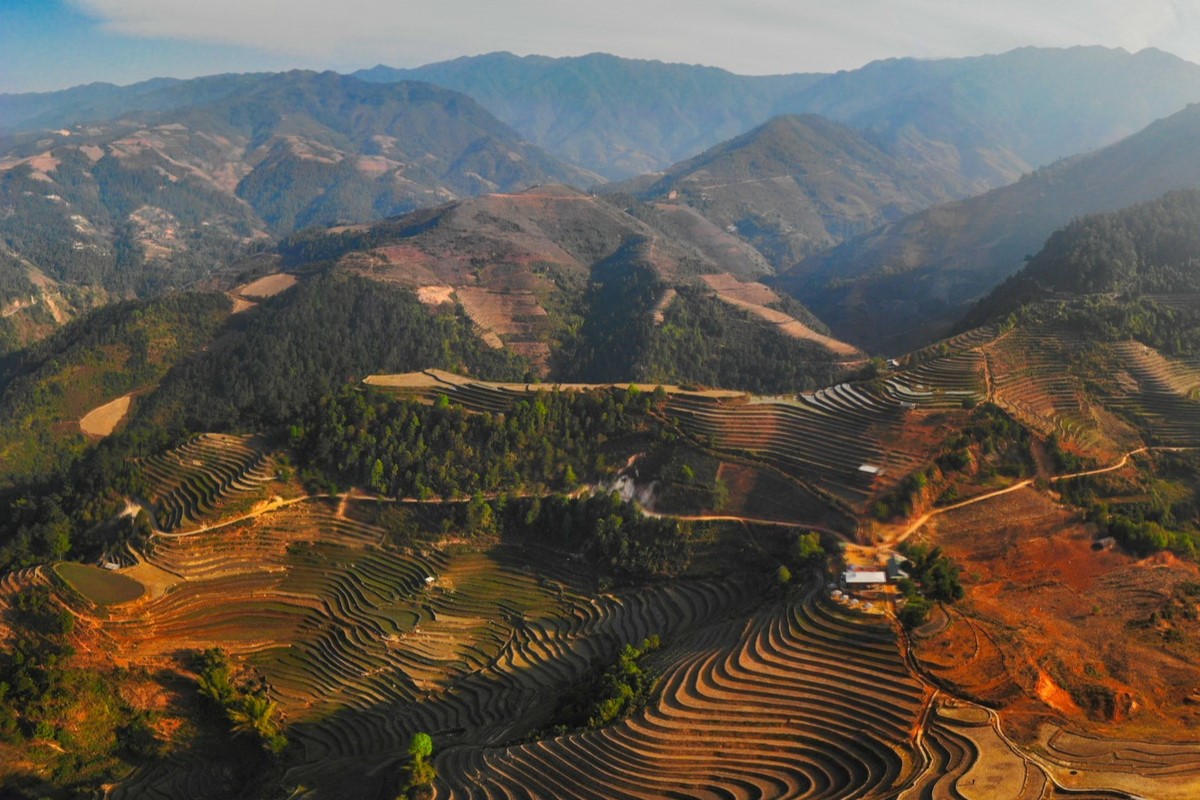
(408, 449)
(612, 536)
(307, 342)
(933, 577)
(610, 693)
(247, 709)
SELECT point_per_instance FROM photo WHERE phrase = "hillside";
(795, 186)
(908, 282)
(1148, 250)
(979, 122)
(152, 200)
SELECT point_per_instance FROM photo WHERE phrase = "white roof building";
(855, 577)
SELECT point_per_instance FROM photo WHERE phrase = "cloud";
(753, 36)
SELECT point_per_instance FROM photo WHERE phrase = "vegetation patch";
(1147, 510)
(103, 587)
(407, 449)
(610, 693)
(933, 577)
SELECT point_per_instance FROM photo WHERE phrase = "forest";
(553, 441)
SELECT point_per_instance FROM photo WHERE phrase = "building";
(854, 578)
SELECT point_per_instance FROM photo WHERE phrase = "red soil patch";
(1071, 623)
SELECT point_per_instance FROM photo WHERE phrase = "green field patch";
(101, 586)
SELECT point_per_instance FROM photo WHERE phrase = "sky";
(53, 44)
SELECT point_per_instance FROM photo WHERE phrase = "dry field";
(267, 286)
(1055, 630)
(103, 420)
(755, 297)
(513, 318)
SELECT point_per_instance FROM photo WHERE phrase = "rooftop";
(854, 576)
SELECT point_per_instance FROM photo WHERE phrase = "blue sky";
(51, 44)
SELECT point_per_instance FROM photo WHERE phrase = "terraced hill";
(823, 439)
(201, 478)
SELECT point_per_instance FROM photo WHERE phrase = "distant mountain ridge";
(985, 119)
(907, 282)
(621, 116)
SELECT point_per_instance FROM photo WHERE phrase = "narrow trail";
(748, 520)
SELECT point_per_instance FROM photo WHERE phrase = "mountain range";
(859, 187)
(982, 120)
(150, 199)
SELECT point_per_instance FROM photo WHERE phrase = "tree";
(783, 575)
(255, 716)
(421, 774)
(915, 611)
(806, 549)
(377, 482)
(420, 746)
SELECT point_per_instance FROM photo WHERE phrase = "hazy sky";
(48, 44)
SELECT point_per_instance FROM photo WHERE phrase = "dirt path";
(1124, 460)
(748, 520)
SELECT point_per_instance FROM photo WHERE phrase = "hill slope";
(154, 199)
(583, 288)
(907, 282)
(1150, 251)
(797, 185)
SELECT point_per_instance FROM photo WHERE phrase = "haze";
(49, 45)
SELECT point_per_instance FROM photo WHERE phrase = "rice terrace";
(364, 631)
(584, 427)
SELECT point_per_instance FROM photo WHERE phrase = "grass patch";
(103, 587)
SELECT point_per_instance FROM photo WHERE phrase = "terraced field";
(1030, 381)
(201, 477)
(1166, 398)
(797, 701)
(821, 439)
(362, 644)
